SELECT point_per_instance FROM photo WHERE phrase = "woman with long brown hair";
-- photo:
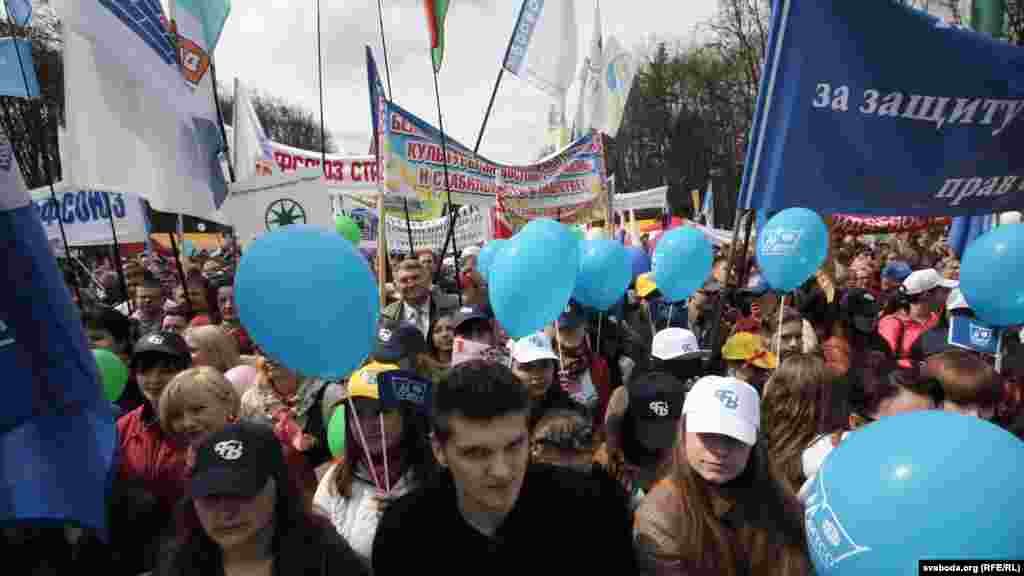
(723, 510)
(801, 402)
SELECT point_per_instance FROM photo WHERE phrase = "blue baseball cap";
(896, 271)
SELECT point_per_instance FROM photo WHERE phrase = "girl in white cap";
(722, 510)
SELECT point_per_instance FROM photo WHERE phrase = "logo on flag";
(981, 335)
(194, 61)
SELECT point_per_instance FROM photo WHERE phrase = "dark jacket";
(441, 303)
(563, 522)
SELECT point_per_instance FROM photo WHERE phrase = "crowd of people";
(656, 437)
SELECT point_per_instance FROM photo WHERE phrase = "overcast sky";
(270, 46)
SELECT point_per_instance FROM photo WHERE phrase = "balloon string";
(778, 333)
(558, 342)
(384, 444)
(362, 440)
(671, 307)
(600, 317)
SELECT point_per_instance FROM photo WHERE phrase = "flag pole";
(320, 81)
(452, 215)
(387, 71)
(220, 119)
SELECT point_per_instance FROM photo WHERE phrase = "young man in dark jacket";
(490, 506)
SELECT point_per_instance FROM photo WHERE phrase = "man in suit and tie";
(420, 304)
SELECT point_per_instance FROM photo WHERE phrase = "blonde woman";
(201, 402)
(212, 346)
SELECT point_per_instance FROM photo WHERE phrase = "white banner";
(86, 216)
(470, 229)
(653, 198)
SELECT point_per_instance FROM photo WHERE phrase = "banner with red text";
(565, 185)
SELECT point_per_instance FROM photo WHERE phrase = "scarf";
(290, 415)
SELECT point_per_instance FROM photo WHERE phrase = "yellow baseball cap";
(747, 347)
(645, 284)
(363, 382)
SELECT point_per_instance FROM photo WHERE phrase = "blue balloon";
(791, 247)
(916, 486)
(992, 275)
(639, 260)
(533, 276)
(604, 273)
(188, 248)
(682, 262)
(308, 299)
(486, 258)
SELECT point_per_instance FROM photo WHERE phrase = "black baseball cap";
(862, 308)
(165, 343)
(655, 404)
(397, 340)
(467, 314)
(237, 461)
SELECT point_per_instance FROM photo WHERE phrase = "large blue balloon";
(533, 276)
(308, 299)
(682, 262)
(920, 485)
(639, 260)
(486, 258)
(992, 275)
(791, 247)
(604, 273)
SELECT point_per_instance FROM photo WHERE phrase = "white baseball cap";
(675, 343)
(922, 281)
(723, 405)
(532, 348)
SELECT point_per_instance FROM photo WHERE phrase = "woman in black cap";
(242, 515)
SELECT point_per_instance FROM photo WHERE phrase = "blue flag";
(859, 112)
(57, 434)
(20, 11)
(17, 69)
(397, 387)
(965, 229)
(975, 335)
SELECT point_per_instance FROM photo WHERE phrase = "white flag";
(592, 106)
(253, 152)
(621, 70)
(542, 49)
(133, 122)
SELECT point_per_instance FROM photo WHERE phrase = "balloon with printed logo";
(791, 247)
(533, 276)
(639, 261)
(348, 228)
(485, 259)
(307, 297)
(113, 373)
(336, 432)
(682, 262)
(992, 275)
(604, 273)
(917, 485)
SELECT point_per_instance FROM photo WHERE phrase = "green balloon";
(336, 432)
(113, 373)
(348, 228)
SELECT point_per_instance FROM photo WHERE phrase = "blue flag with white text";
(57, 434)
(875, 108)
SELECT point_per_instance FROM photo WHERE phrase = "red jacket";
(147, 455)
